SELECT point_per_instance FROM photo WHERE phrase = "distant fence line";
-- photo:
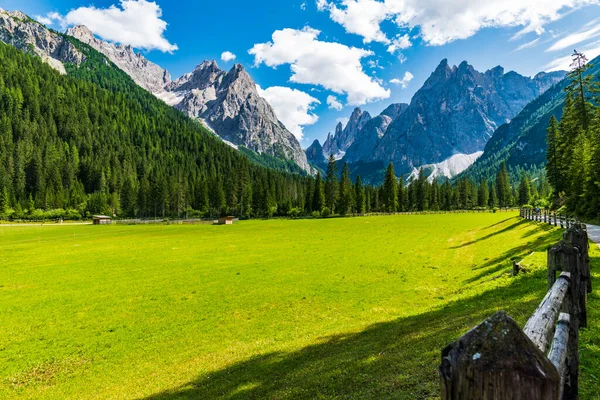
(188, 221)
(548, 217)
(498, 360)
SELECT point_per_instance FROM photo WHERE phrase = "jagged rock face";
(315, 155)
(18, 30)
(456, 112)
(229, 103)
(343, 138)
(143, 72)
(371, 132)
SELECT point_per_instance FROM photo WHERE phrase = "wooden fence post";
(496, 360)
(566, 257)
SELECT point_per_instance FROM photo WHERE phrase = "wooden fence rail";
(499, 360)
(549, 217)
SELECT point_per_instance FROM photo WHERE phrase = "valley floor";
(280, 309)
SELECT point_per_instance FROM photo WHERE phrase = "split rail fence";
(499, 360)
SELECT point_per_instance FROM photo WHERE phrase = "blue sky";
(341, 53)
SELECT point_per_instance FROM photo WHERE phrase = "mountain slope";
(522, 142)
(343, 138)
(455, 112)
(227, 102)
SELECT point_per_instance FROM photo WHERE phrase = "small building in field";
(226, 220)
(102, 220)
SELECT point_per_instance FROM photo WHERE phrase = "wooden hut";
(102, 220)
(226, 220)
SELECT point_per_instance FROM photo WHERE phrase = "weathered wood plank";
(540, 326)
(559, 349)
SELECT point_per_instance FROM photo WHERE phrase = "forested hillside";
(101, 144)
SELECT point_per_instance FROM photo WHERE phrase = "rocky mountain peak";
(80, 32)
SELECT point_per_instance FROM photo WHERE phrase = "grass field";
(308, 309)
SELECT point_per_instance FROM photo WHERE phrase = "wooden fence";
(499, 360)
(549, 217)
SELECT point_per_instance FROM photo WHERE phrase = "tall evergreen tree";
(346, 195)
(331, 184)
(319, 195)
(390, 190)
(524, 190)
(359, 196)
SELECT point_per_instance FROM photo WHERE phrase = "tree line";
(573, 157)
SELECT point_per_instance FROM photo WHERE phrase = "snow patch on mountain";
(448, 168)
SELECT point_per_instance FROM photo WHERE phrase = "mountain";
(455, 112)
(343, 138)
(227, 102)
(372, 131)
(522, 142)
(316, 155)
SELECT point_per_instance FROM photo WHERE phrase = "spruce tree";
(554, 158)
(390, 190)
(483, 194)
(346, 197)
(402, 195)
(331, 184)
(359, 196)
(524, 190)
(319, 195)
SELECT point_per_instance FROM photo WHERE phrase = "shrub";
(316, 214)
(325, 212)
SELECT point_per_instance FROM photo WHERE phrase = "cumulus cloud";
(401, 42)
(227, 56)
(49, 18)
(403, 83)
(334, 103)
(133, 22)
(443, 21)
(333, 66)
(293, 107)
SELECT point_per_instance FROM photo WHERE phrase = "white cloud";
(227, 56)
(333, 66)
(334, 103)
(527, 45)
(49, 19)
(293, 107)
(575, 38)
(133, 22)
(401, 42)
(443, 21)
(403, 83)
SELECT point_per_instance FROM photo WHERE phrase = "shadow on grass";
(589, 344)
(392, 360)
(504, 261)
(498, 223)
(495, 233)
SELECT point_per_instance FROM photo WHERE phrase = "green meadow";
(356, 308)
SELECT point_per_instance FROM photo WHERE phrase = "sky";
(316, 60)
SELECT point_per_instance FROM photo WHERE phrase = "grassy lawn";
(309, 309)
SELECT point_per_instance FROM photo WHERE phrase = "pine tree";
(318, 196)
(493, 201)
(402, 195)
(346, 197)
(483, 194)
(503, 188)
(390, 190)
(581, 86)
(359, 196)
(331, 184)
(422, 191)
(524, 190)
(554, 159)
